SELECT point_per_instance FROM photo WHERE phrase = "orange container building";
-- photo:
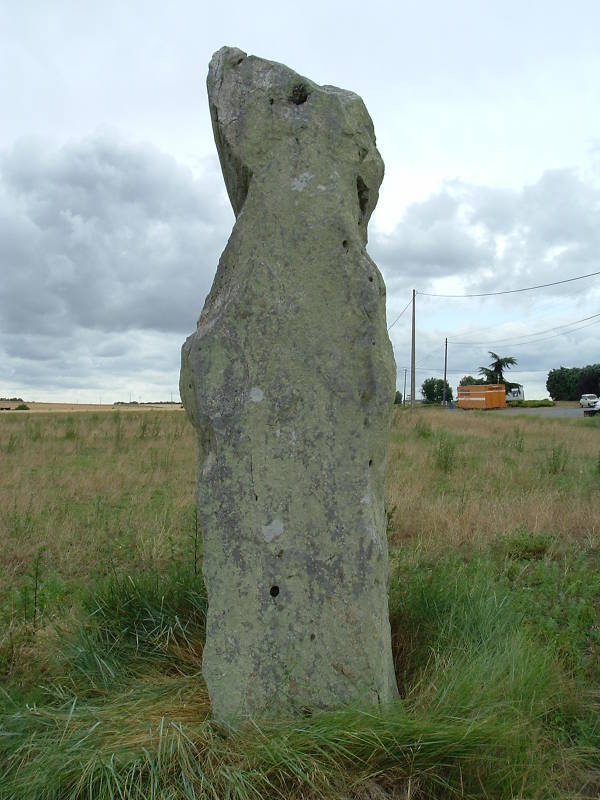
(492, 395)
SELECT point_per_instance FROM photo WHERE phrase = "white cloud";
(471, 239)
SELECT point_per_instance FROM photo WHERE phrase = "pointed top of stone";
(264, 112)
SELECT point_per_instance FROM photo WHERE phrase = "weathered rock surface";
(289, 381)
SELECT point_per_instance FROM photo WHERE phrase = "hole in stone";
(373, 342)
(256, 497)
(370, 279)
(363, 197)
(279, 554)
(299, 94)
(239, 61)
(312, 637)
(274, 591)
(345, 244)
(370, 462)
(270, 101)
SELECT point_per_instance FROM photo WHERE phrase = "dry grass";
(463, 478)
(74, 408)
(495, 655)
(95, 491)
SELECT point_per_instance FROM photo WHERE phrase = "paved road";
(556, 411)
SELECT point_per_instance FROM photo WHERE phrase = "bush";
(433, 390)
(22, 407)
(530, 403)
(569, 383)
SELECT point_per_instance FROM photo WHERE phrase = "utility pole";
(412, 357)
(404, 393)
(445, 370)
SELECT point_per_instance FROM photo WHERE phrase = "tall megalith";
(289, 381)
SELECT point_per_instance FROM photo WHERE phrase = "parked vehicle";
(588, 400)
(516, 393)
(591, 412)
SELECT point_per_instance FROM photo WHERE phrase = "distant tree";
(494, 373)
(589, 380)
(562, 383)
(569, 383)
(433, 390)
(398, 398)
(469, 380)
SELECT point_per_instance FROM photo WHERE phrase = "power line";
(399, 315)
(553, 336)
(514, 291)
(423, 368)
(537, 333)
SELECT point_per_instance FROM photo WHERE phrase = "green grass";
(489, 701)
(546, 403)
(496, 635)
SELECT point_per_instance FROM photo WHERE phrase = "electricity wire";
(423, 368)
(513, 291)
(399, 315)
(545, 338)
(526, 335)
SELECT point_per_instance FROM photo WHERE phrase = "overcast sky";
(113, 211)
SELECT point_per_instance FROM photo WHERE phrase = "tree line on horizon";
(569, 383)
(563, 383)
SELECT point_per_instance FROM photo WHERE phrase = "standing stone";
(289, 381)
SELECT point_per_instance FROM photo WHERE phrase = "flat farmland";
(77, 408)
(494, 538)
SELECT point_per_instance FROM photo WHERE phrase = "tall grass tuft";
(129, 717)
(445, 452)
(557, 459)
(423, 429)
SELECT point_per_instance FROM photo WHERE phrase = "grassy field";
(494, 529)
(76, 408)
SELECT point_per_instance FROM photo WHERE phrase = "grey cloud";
(431, 241)
(99, 238)
(106, 235)
(494, 238)
(92, 363)
(108, 249)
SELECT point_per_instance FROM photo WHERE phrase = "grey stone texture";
(289, 381)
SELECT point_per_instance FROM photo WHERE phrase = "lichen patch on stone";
(256, 394)
(272, 530)
(300, 183)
